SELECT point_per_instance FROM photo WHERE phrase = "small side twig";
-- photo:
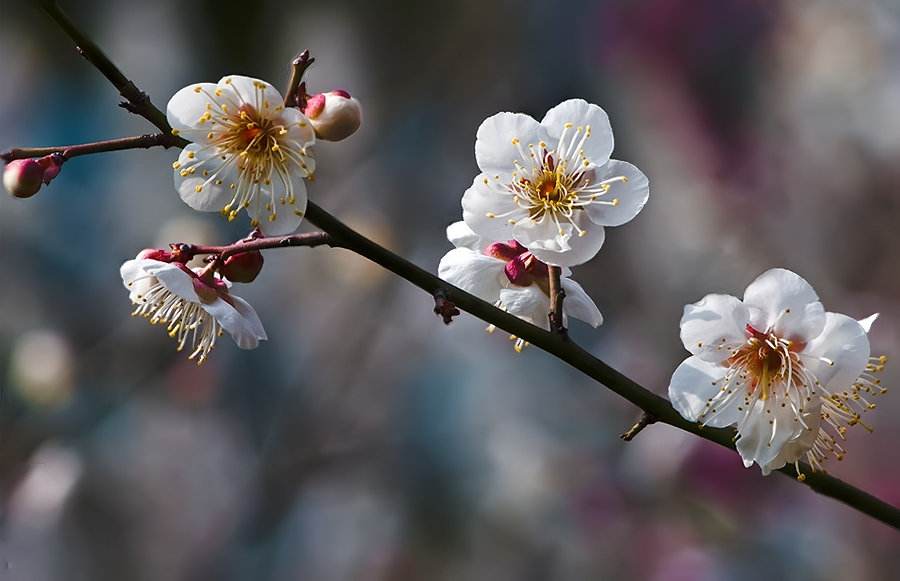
(444, 307)
(642, 422)
(312, 239)
(294, 96)
(69, 151)
(557, 296)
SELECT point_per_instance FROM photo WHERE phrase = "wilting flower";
(511, 277)
(789, 376)
(334, 115)
(552, 185)
(195, 309)
(249, 152)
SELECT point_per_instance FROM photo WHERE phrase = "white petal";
(765, 432)
(567, 249)
(239, 319)
(868, 321)
(599, 145)
(528, 303)
(473, 272)
(630, 196)
(838, 355)
(462, 236)
(495, 150)
(250, 91)
(187, 106)
(300, 137)
(691, 388)
(784, 302)
(797, 447)
(176, 281)
(212, 196)
(481, 201)
(133, 269)
(579, 305)
(287, 216)
(711, 327)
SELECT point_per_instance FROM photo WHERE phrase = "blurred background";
(365, 440)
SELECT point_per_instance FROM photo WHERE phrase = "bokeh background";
(366, 440)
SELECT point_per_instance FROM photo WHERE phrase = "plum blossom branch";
(642, 422)
(311, 239)
(69, 151)
(557, 296)
(653, 405)
(295, 91)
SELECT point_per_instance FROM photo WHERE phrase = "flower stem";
(70, 151)
(557, 296)
(565, 350)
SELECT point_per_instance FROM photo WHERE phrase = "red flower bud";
(334, 115)
(242, 267)
(22, 178)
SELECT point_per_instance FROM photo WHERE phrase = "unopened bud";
(52, 165)
(334, 115)
(242, 267)
(22, 178)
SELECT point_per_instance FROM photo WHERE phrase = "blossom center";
(768, 359)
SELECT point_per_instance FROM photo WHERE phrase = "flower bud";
(334, 115)
(22, 178)
(156, 254)
(242, 267)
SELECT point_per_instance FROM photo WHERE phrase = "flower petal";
(784, 302)
(566, 249)
(284, 213)
(462, 236)
(797, 447)
(693, 384)
(299, 138)
(239, 319)
(579, 305)
(598, 146)
(484, 200)
(838, 355)
(764, 433)
(629, 196)
(869, 321)
(528, 303)
(187, 106)
(711, 327)
(176, 281)
(473, 272)
(496, 148)
(211, 175)
(247, 90)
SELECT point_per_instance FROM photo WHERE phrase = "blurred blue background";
(367, 441)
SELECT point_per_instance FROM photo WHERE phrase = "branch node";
(444, 307)
(642, 422)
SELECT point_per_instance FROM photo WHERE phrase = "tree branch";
(550, 342)
(295, 92)
(70, 151)
(557, 296)
(311, 240)
(641, 423)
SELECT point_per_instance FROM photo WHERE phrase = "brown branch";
(295, 93)
(70, 151)
(311, 240)
(557, 296)
(567, 351)
(641, 423)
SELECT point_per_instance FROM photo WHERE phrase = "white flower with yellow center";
(789, 376)
(195, 310)
(511, 277)
(552, 185)
(248, 152)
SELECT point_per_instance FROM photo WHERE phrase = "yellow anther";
(198, 189)
(198, 89)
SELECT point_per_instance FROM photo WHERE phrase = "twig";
(444, 308)
(70, 151)
(136, 101)
(552, 343)
(295, 93)
(557, 296)
(311, 239)
(642, 422)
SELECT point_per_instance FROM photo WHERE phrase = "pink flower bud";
(52, 165)
(22, 178)
(242, 267)
(334, 115)
(156, 254)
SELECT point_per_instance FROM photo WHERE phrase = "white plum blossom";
(791, 377)
(195, 309)
(511, 277)
(248, 152)
(552, 185)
